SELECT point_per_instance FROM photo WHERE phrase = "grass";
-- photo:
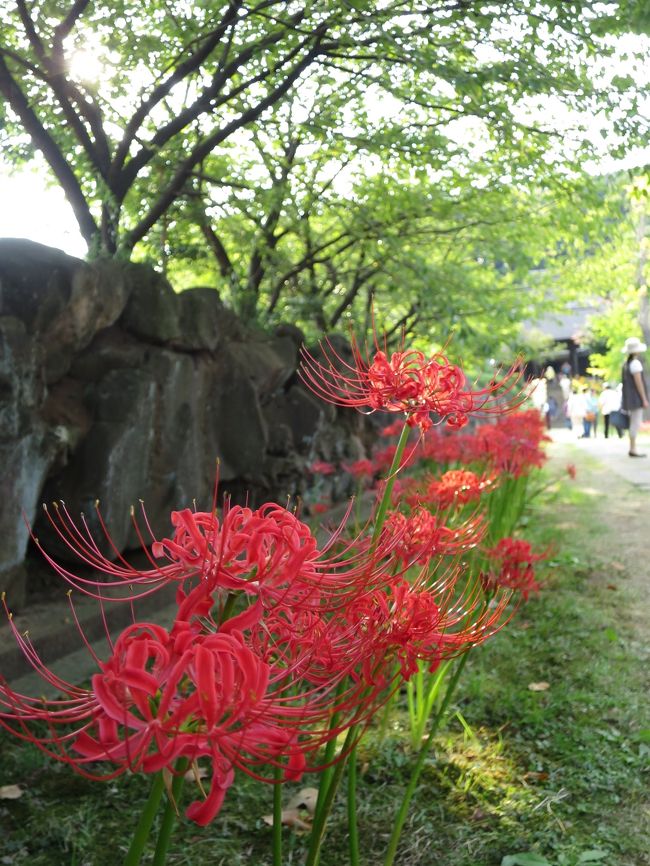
(560, 773)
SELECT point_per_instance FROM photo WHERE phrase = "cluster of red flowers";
(512, 445)
(514, 559)
(274, 635)
(457, 487)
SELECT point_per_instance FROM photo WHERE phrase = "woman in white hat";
(635, 390)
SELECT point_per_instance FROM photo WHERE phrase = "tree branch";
(208, 144)
(219, 251)
(206, 102)
(50, 150)
(63, 30)
(183, 70)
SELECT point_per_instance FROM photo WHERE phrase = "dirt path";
(616, 527)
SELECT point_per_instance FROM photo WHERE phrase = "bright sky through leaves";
(36, 209)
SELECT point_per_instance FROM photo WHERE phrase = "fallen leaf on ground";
(10, 792)
(306, 798)
(611, 586)
(195, 773)
(539, 687)
(617, 566)
(291, 818)
(533, 776)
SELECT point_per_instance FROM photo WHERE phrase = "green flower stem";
(277, 816)
(353, 830)
(427, 696)
(385, 718)
(324, 806)
(390, 482)
(147, 816)
(169, 815)
(228, 607)
(417, 770)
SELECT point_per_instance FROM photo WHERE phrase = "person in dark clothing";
(635, 389)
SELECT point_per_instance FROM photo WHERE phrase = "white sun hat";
(633, 345)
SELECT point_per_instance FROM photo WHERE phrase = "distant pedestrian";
(590, 421)
(635, 390)
(576, 410)
(609, 401)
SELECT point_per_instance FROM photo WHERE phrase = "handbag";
(620, 419)
(590, 416)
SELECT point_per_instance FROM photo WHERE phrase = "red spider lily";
(383, 458)
(267, 553)
(515, 559)
(571, 471)
(360, 468)
(243, 696)
(406, 623)
(322, 467)
(159, 697)
(422, 536)
(513, 444)
(393, 429)
(406, 382)
(455, 487)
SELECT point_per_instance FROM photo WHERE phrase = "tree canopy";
(315, 158)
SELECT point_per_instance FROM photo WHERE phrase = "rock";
(152, 312)
(268, 363)
(115, 388)
(61, 300)
(35, 282)
(99, 292)
(25, 463)
(204, 321)
(236, 416)
(21, 384)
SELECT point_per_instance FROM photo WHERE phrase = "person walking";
(590, 421)
(576, 410)
(609, 400)
(635, 389)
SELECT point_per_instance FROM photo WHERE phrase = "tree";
(180, 84)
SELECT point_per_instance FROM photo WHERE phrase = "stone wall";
(115, 388)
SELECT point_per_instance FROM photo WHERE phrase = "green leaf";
(644, 735)
(591, 856)
(611, 634)
(528, 859)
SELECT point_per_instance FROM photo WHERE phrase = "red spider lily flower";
(159, 697)
(406, 382)
(407, 624)
(320, 507)
(512, 445)
(455, 487)
(322, 467)
(515, 559)
(260, 690)
(266, 553)
(571, 471)
(393, 429)
(360, 468)
(383, 458)
(421, 535)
